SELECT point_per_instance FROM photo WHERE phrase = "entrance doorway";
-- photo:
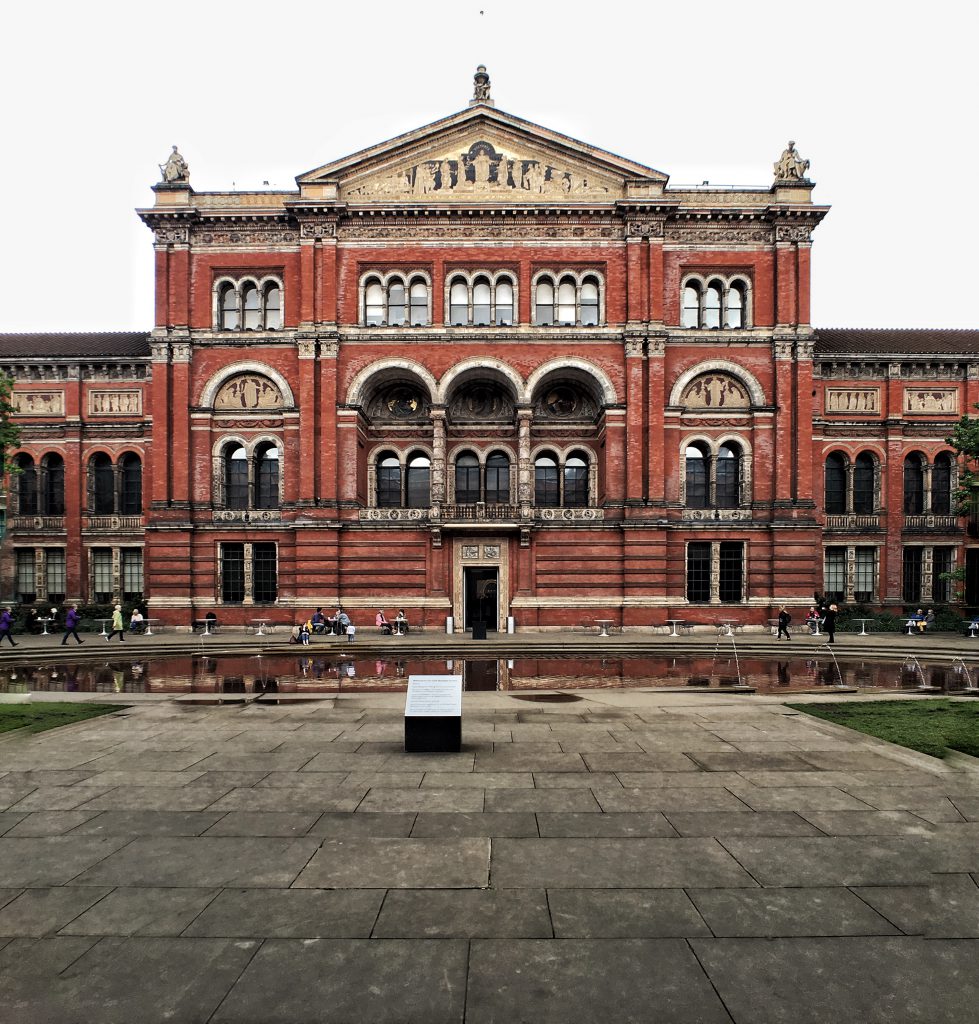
(482, 597)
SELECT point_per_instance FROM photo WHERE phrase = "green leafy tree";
(9, 431)
(965, 440)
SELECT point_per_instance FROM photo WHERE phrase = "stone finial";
(175, 171)
(790, 166)
(481, 88)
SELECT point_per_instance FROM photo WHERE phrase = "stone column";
(307, 428)
(438, 455)
(636, 432)
(525, 468)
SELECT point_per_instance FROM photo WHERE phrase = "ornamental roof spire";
(481, 88)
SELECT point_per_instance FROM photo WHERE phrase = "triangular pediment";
(482, 155)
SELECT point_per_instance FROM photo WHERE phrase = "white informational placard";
(434, 696)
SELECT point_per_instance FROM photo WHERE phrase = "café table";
(104, 632)
(727, 625)
(260, 625)
(603, 626)
(863, 626)
(148, 626)
(673, 623)
(44, 625)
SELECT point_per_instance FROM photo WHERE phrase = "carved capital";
(159, 352)
(784, 348)
(634, 347)
(656, 347)
(329, 349)
(180, 352)
(805, 348)
(306, 348)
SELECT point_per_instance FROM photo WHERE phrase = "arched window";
(727, 482)
(504, 302)
(388, 481)
(418, 489)
(373, 303)
(691, 306)
(566, 301)
(467, 479)
(498, 479)
(458, 303)
(863, 484)
(834, 481)
(914, 485)
(697, 476)
(267, 477)
(712, 305)
(396, 303)
(228, 308)
(589, 302)
(102, 477)
(53, 476)
(546, 483)
(273, 307)
(235, 477)
(576, 481)
(131, 485)
(418, 302)
(481, 301)
(941, 485)
(251, 308)
(26, 485)
(544, 308)
(735, 305)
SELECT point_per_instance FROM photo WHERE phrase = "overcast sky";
(879, 97)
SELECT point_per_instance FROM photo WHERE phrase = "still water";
(289, 673)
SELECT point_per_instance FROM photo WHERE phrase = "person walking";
(829, 623)
(784, 618)
(7, 627)
(117, 625)
(71, 625)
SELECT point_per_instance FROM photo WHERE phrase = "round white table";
(603, 626)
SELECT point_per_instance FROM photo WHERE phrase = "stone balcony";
(853, 522)
(111, 524)
(36, 524)
(480, 514)
(928, 523)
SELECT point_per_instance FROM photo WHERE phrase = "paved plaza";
(625, 856)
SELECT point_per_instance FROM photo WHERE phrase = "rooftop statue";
(791, 166)
(175, 170)
(481, 85)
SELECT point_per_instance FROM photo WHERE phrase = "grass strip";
(39, 717)
(931, 726)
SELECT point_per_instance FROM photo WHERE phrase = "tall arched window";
(504, 302)
(53, 475)
(373, 304)
(914, 485)
(102, 478)
(544, 309)
(834, 488)
(273, 307)
(863, 484)
(576, 481)
(235, 477)
(546, 483)
(458, 303)
(419, 482)
(941, 484)
(697, 476)
(498, 479)
(566, 301)
(228, 308)
(267, 476)
(388, 481)
(712, 305)
(251, 308)
(26, 485)
(589, 302)
(481, 301)
(735, 305)
(467, 479)
(396, 303)
(727, 482)
(691, 306)
(418, 302)
(131, 485)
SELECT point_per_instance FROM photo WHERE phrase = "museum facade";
(486, 371)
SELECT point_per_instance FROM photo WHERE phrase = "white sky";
(879, 97)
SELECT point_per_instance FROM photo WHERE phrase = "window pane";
(727, 484)
(576, 483)
(132, 573)
(228, 307)
(373, 304)
(264, 575)
(458, 303)
(101, 560)
(396, 303)
(481, 302)
(863, 484)
(54, 486)
(566, 313)
(941, 485)
(419, 482)
(691, 306)
(914, 489)
(697, 490)
(418, 297)
(546, 491)
(54, 574)
(273, 307)
(544, 312)
(698, 572)
(252, 308)
(268, 479)
(735, 306)
(103, 485)
(504, 302)
(835, 484)
(131, 497)
(911, 576)
(943, 562)
(863, 581)
(233, 573)
(589, 303)
(388, 482)
(467, 480)
(498, 479)
(731, 570)
(712, 306)
(26, 583)
(26, 486)
(834, 573)
(236, 479)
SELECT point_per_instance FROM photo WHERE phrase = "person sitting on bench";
(319, 621)
(382, 623)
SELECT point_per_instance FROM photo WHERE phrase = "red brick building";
(485, 370)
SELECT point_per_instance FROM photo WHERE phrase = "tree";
(9, 431)
(965, 440)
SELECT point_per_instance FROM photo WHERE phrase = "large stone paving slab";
(738, 823)
(624, 914)
(871, 980)
(464, 914)
(370, 863)
(577, 981)
(614, 864)
(52, 860)
(378, 981)
(947, 909)
(43, 911)
(142, 911)
(434, 824)
(636, 824)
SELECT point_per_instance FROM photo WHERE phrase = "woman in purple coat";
(6, 626)
(71, 625)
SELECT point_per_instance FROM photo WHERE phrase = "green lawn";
(931, 726)
(38, 717)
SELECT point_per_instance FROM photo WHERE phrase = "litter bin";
(479, 631)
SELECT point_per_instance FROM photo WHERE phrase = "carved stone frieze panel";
(248, 391)
(931, 400)
(793, 233)
(852, 400)
(318, 229)
(569, 515)
(172, 235)
(115, 403)
(694, 232)
(245, 236)
(250, 516)
(392, 515)
(38, 403)
(645, 228)
(715, 391)
(423, 230)
(720, 514)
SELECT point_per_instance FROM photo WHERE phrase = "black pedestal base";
(433, 734)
